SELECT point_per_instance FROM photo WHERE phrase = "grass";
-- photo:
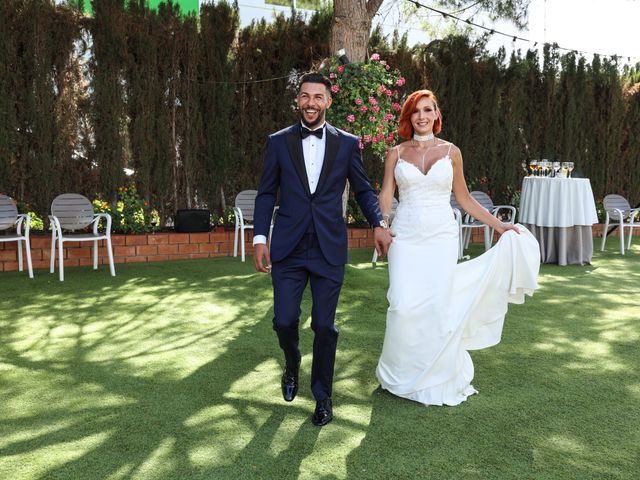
(171, 371)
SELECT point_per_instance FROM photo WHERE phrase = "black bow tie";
(305, 132)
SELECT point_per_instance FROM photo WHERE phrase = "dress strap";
(398, 151)
(449, 151)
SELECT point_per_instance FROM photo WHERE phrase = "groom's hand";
(382, 240)
(260, 256)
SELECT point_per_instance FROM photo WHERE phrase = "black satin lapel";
(331, 148)
(295, 150)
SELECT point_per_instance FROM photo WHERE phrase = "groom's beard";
(319, 119)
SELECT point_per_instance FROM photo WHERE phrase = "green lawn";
(171, 371)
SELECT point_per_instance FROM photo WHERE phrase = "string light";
(492, 31)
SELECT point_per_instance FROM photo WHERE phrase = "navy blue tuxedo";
(284, 171)
(309, 242)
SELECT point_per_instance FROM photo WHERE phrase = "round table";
(560, 212)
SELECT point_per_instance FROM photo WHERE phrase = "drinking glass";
(565, 169)
(570, 167)
(556, 168)
(533, 166)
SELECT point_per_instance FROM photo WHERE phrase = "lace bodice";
(431, 189)
(424, 206)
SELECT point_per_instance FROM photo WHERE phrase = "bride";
(439, 310)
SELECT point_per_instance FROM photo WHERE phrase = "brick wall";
(153, 247)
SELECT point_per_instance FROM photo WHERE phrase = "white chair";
(392, 214)
(619, 213)
(470, 222)
(464, 228)
(10, 218)
(71, 212)
(457, 214)
(243, 212)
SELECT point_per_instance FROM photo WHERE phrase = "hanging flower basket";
(366, 101)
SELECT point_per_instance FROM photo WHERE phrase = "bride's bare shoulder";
(397, 151)
(452, 148)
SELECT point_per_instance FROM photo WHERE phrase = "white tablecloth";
(557, 202)
(560, 212)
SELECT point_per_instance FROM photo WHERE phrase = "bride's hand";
(507, 226)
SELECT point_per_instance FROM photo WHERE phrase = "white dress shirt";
(313, 149)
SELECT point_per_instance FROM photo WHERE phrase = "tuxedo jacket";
(300, 211)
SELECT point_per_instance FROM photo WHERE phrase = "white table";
(560, 212)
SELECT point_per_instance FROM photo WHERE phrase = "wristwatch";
(383, 223)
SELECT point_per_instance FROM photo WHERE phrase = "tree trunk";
(351, 27)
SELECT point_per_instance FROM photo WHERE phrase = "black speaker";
(191, 220)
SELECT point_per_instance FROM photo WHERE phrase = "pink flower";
(382, 88)
(376, 108)
(335, 88)
(373, 101)
(363, 109)
(401, 81)
(367, 138)
(358, 101)
(361, 144)
(390, 138)
(332, 75)
(387, 67)
(389, 116)
(382, 62)
(396, 106)
(395, 93)
(351, 118)
(372, 118)
(375, 57)
(340, 68)
(387, 92)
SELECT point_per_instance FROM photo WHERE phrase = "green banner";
(186, 6)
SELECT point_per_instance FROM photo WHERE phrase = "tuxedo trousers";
(290, 276)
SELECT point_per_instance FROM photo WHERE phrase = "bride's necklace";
(423, 138)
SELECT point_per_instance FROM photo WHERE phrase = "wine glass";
(570, 168)
(543, 167)
(533, 166)
(556, 168)
(565, 169)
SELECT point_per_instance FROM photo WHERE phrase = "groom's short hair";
(315, 77)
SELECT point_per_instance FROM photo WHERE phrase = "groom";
(309, 164)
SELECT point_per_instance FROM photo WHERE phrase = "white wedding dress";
(438, 309)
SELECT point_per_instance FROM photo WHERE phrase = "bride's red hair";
(405, 130)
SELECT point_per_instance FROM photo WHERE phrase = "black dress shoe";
(289, 383)
(323, 413)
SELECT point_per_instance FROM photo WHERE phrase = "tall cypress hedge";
(187, 102)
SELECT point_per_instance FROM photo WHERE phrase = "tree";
(351, 26)
(352, 19)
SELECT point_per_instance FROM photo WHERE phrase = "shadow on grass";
(172, 371)
(194, 423)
